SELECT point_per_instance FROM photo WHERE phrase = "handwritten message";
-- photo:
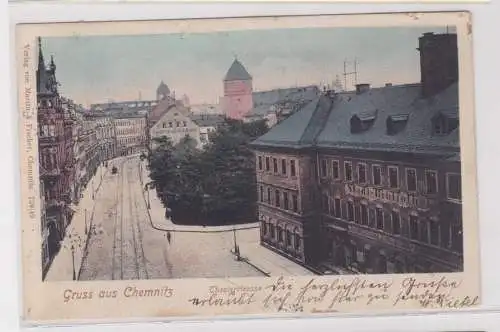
(326, 294)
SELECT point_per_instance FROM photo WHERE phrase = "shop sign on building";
(402, 199)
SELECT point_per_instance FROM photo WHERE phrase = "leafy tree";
(211, 186)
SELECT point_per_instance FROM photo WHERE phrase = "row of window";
(170, 124)
(279, 198)
(426, 231)
(281, 236)
(130, 140)
(127, 131)
(279, 166)
(431, 183)
(128, 123)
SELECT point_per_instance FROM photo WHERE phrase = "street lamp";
(74, 241)
(73, 260)
(236, 248)
(147, 190)
(86, 227)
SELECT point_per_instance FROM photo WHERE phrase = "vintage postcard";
(247, 166)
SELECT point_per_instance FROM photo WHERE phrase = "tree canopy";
(212, 186)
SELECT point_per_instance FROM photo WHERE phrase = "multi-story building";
(89, 159)
(369, 181)
(55, 153)
(131, 133)
(106, 136)
(175, 124)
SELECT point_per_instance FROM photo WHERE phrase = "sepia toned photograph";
(284, 162)
(310, 151)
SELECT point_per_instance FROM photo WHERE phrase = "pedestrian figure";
(168, 237)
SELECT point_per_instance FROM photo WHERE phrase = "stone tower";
(237, 101)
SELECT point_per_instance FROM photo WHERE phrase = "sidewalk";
(62, 265)
(269, 262)
(261, 258)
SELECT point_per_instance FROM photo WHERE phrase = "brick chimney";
(438, 62)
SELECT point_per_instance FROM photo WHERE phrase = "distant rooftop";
(263, 100)
(207, 120)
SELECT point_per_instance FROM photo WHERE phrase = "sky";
(94, 69)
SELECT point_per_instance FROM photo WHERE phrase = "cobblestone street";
(128, 247)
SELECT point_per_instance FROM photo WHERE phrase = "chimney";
(361, 88)
(438, 62)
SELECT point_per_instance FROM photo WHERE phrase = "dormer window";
(396, 123)
(444, 123)
(363, 121)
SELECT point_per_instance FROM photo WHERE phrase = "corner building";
(369, 181)
(56, 159)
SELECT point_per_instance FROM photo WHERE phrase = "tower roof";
(41, 73)
(237, 72)
(163, 89)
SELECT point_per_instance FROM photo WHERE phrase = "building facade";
(368, 181)
(55, 139)
(131, 133)
(238, 88)
(175, 124)
(106, 136)
(44, 231)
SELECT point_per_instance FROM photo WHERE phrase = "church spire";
(52, 64)
(41, 61)
(41, 72)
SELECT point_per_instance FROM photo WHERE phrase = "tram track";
(137, 237)
(118, 229)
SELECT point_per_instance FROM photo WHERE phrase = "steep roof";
(237, 72)
(300, 128)
(380, 103)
